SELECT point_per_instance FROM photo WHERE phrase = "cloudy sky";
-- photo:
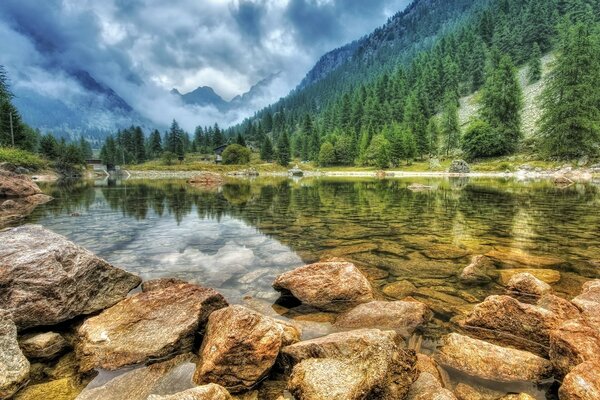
(143, 47)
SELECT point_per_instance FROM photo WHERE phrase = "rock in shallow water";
(491, 362)
(427, 387)
(527, 284)
(206, 392)
(402, 316)
(15, 185)
(14, 367)
(329, 285)
(239, 348)
(477, 272)
(147, 325)
(47, 279)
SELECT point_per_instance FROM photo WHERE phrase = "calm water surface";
(239, 237)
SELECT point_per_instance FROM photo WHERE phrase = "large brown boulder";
(13, 210)
(239, 348)
(361, 364)
(14, 367)
(589, 302)
(205, 392)
(563, 308)
(15, 185)
(572, 343)
(488, 361)
(427, 387)
(147, 325)
(46, 279)
(505, 320)
(527, 284)
(582, 383)
(402, 316)
(43, 346)
(330, 285)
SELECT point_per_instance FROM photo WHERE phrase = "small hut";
(219, 153)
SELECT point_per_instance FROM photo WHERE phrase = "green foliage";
(154, 145)
(433, 137)
(378, 153)
(450, 128)
(534, 70)
(21, 158)
(502, 103)
(168, 157)
(570, 124)
(327, 155)
(85, 148)
(266, 150)
(49, 147)
(345, 152)
(482, 140)
(283, 149)
(240, 140)
(70, 157)
(236, 154)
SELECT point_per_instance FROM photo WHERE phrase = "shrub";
(236, 154)
(21, 158)
(378, 152)
(327, 154)
(344, 150)
(168, 157)
(481, 140)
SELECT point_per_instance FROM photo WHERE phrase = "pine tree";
(139, 145)
(450, 128)
(414, 119)
(49, 147)
(502, 103)
(85, 148)
(534, 72)
(570, 124)
(240, 140)
(266, 150)
(154, 144)
(283, 149)
(433, 136)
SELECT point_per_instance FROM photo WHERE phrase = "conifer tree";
(570, 124)
(415, 121)
(155, 144)
(449, 126)
(240, 140)
(433, 136)
(283, 149)
(266, 149)
(534, 72)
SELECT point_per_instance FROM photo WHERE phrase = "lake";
(239, 237)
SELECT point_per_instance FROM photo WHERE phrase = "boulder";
(15, 185)
(589, 303)
(64, 388)
(459, 167)
(427, 387)
(402, 316)
(14, 210)
(160, 283)
(520, 396)
(43, 346)
(206, 392)
(477, 272)
(331, 285)
(505, 320)
(582, 383)
(573, 343)
(399, 290)
(239, 348)
(376, 368)
(167, 377)
(488, 361)
(527, 284)
(428, 364)
(511, 257)
(47, 279)
(563, 309)
(14, 367)
(476, 392)
(145, 326)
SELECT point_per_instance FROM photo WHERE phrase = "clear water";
(239, 237)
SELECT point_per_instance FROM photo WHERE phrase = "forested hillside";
(394, 95)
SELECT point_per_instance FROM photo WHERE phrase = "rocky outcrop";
(43, 346)
(352, 365)
(505, 320)
(427, 387)
(402, 316)
(16, 185)
(46, 279)
(527, 284)
(170, 376)
(239, 348)
(477, 272)
(488, 361)
(573, 343)
(147, 325)
(14, 367)
(13, 210)
(331, 285)
(206, 392)
(582, 383)
(459, 167)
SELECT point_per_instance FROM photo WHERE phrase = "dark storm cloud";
(141, 48)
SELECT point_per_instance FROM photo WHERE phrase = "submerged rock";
(239, 348)
(506, 320)
(488, 361)
(427, 387)
(399, 289)
(402, 316)
(65, 388)
(14, 367)
(206, 392)
(147, 325)
(351, 365)
(16, 185)
(167, 377)
(47, 279)
(477, 272)
(527, 284)
(582, 383)
(510, 257)
(545, 275)
(43, 346)
(328, 285)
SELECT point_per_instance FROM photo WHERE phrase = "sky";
(144, 48)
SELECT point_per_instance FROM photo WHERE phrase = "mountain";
(206, 96)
